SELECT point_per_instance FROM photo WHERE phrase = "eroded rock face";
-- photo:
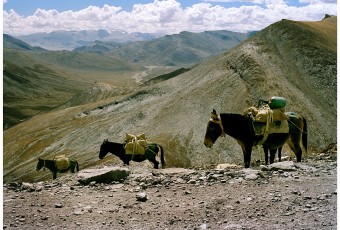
(103, 175)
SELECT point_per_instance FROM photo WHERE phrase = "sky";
(22, 17)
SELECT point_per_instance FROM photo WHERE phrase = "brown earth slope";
(296, 60)
(39, 81)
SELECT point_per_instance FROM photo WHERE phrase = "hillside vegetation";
(296, 60)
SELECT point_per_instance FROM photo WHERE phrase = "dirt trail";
(233, 198)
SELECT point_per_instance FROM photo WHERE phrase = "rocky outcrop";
(103, 175)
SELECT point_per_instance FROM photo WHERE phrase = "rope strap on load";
(135, 144)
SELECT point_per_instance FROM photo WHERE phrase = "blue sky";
(28, 7)
(157, 16)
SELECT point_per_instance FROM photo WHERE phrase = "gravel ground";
(176, 198)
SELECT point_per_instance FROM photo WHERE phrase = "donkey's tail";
(77, 166)
(304, 134)
(162, 156)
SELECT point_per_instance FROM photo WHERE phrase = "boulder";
(103, 175)
(284, 166)
(142, 196)
(305, 167)
(27, 186)
(251, 174)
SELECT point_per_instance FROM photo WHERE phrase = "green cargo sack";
(277, 102)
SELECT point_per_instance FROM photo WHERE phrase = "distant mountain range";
(183, 49)
(69, 40)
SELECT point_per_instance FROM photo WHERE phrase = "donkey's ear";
(214, 112)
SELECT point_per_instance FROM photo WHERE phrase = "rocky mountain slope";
(296, 60)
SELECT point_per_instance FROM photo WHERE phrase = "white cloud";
(260, 2)
(167, 16)
(318, 1)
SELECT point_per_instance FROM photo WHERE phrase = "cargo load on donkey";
(273, 110)
(269, 117)
(61, 162)
(135, 144)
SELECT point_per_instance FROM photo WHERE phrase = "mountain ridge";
(11, 42)
(288, 59)
(183, 49)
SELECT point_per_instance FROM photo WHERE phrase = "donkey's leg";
(126, 159)
(247, 155)
(155, 163)
(298, 155)
(272, 155)
(279, 153)
(72, 167)
(54, 174)
(295, 147)
(265, 150)
(151, 153)
(294, 140)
